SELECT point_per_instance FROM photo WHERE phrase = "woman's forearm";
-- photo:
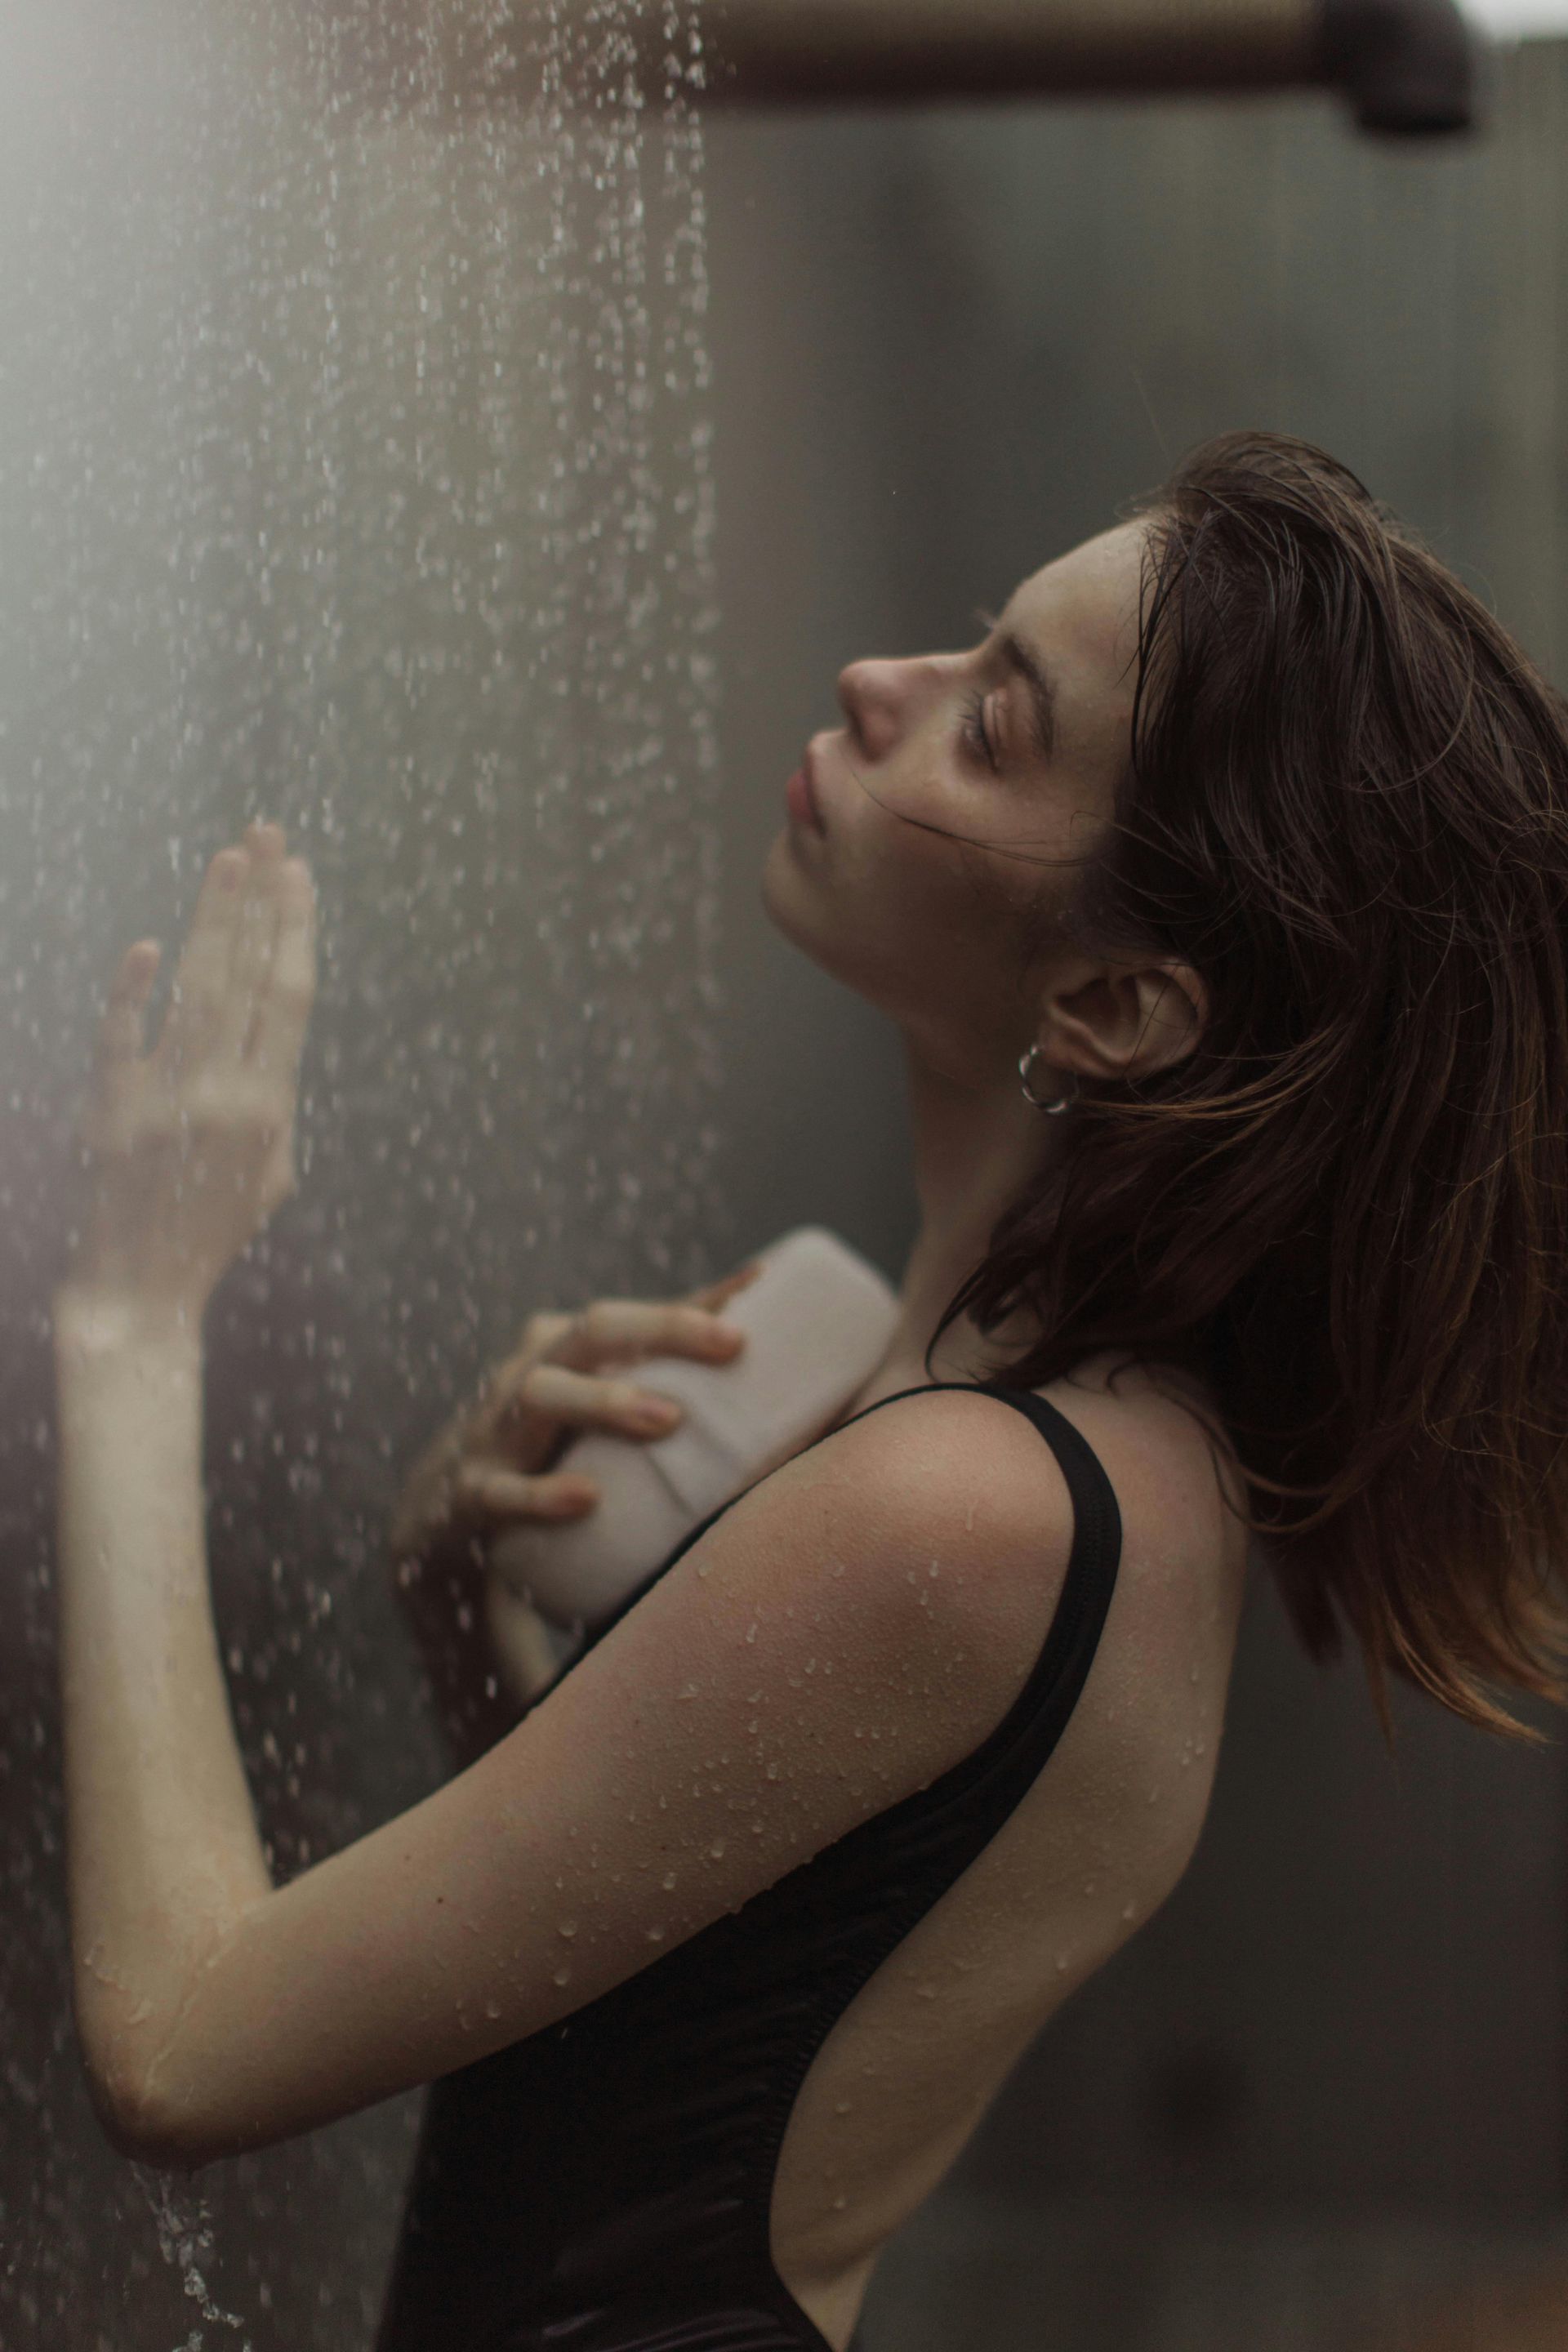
(165, 1854)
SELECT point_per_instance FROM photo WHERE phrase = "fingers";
(256, 938)
(621, 1406)
(284, 1011)
(245, 981)
(632, 1328)
(201, 979)
(490, 1498)
(717, 1294)
(120, 1032)
(558, 1377)
(118, 1047)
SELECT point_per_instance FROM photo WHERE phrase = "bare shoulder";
(962, 1524)
(947, 1500)
(962, 1476)
(959, 1481)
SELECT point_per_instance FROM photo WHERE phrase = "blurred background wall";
(943, 346)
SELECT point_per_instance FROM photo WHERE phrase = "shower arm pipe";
(1405, 65)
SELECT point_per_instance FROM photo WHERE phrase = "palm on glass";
(190, 1147)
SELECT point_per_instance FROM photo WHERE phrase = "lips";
(801, 800)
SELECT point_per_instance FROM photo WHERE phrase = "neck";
(975, 1150)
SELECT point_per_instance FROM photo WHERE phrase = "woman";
(1239, 841)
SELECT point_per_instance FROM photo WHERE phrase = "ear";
(1114, 1021)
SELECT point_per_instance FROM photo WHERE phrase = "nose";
(874, 696)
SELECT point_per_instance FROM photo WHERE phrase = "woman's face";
(1018, 745)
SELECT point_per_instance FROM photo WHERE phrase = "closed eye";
(973, 732)
(1024, 662)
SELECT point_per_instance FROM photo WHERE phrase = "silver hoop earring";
(1063, 1102)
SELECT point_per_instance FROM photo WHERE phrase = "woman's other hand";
(484, 1652)
(493, 1465)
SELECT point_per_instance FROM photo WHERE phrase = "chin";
(779, 871)
(790, 906)
(820, 933)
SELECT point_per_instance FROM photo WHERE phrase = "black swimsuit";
(605, 2185)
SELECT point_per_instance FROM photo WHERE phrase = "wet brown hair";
(1347, 1207)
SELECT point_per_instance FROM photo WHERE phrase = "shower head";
(1408, 66)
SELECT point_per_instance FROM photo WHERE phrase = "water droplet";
(567, 1928)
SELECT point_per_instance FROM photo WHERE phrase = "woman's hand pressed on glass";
(191, 1145)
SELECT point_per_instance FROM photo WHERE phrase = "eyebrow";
(1042, 693)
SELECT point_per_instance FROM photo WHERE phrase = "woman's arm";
(218, 2013)
(163, 1853)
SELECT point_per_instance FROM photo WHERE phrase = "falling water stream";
(356, 474)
